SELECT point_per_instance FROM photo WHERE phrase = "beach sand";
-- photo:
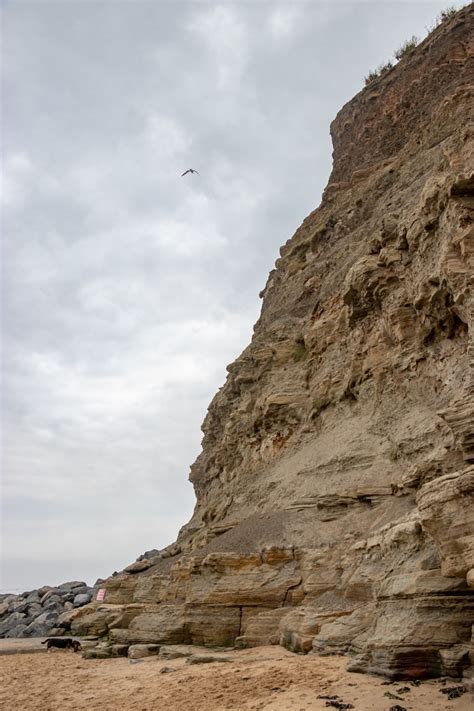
(267, 678)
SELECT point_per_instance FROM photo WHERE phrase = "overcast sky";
(127, 288)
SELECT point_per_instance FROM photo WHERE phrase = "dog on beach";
(62, 643)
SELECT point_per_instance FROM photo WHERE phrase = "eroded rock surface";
(335, 485)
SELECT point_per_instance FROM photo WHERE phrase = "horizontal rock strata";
(335, 485)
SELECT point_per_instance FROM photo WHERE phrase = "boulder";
(73, 585)
(137, 651)
(98, 653)
(55, 601)
(97, 620)
(19, 605)
(33, 598)
(34, 609)
(153, 553)
(81, 599)
(164, 624)
(178, 651)
(209, 659)
(138, 566)
(41, 626)
(119, 650)
(16, 631)
(11, 621)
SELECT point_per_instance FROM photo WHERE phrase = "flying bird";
(190, 170)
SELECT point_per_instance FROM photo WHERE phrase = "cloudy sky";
(126, 289)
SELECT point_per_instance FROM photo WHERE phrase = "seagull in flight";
(190, 170)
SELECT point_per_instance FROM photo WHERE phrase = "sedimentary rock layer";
(335, 485)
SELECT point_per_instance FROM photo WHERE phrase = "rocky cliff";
(335, 485)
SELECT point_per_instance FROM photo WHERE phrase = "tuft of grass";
(300, 353)
(407, 48)
(376, 73)
(446, 15)
(371, 76)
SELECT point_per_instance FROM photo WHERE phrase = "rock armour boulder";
(36, 613)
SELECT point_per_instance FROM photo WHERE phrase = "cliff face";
(335, 485)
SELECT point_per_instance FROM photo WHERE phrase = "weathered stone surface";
(262, 628)
(138, 651)
(163, 624)
(346, 633)
(179, 651)
(447, 513)
(211, 625)
(18, 630)
(81, 599)
(242, 580)
(73, 585)
(12, 620)
(97, 653)
(208, 659)
(335, 485)
(95, 621)
(34, 609)
(138, 566)
(119, 650)
(299, 627)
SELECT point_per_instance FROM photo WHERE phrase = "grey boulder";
(11, 621)
(16, 631)
(82, 599)
(72, 585)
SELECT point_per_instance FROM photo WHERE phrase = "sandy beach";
(267, 678)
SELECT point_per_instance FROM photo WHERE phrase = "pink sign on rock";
(100, 594)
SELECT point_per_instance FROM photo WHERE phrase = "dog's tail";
(46, 640)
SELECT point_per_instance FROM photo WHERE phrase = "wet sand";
(267, 678)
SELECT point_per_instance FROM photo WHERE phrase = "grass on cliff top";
(409, 46)
(406, 48)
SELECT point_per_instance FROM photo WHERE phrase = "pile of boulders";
(35, 613)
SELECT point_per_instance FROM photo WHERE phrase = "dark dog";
(63, 643)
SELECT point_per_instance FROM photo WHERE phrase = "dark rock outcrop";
(36, 613)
